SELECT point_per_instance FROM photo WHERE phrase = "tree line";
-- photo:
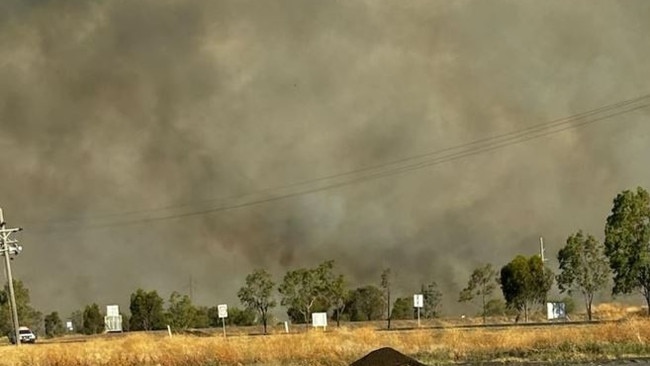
(302, 292)
(585, 267)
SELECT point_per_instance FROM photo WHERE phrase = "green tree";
(403, 308)
(583, 267)
(147, 312)
(627, 240)
(77, 319)
(569, 305)
(366, 303)
(386, 281)
(495, 307)
(53, 325)
(181, 313)
(297, 317)
(27, 315)
(213, 316)
(126, 322)
(256, 294)
(93, 321)
(432, 298)
(201, 318)
(337, 295)
(481, 283)
(334, 289)
(525, 282)
(242, 317)
(300, 289)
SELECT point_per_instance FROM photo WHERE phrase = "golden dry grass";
(626, 338)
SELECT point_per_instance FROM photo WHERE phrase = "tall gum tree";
(432, 299)
(482, 283)
(147, 311)
(333, 289)
(583, 268)
(627, 240)
(257, 294)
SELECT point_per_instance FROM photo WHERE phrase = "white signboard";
(112, 310)
(319, 319)
(222, 310)
(418, 301)
(113, 323)
(555, 310)
(68, 326)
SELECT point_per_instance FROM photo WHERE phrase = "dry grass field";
(629, 337)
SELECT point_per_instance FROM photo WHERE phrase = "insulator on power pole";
(10, 249)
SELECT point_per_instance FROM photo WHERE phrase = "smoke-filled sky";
(126, 128)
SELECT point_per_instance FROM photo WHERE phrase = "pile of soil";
(386, 357)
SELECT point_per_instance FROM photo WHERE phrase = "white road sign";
(222, 310)
(418, 301)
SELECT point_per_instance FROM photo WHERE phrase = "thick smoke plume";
(122, 111)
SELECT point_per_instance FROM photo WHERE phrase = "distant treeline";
(585, 268)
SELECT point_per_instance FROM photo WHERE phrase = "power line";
(480, 142)
(490, 144)
(394, 167)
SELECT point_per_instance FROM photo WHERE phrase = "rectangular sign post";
(113, 319)
(223, 314)
(418, 302)
(319, 320)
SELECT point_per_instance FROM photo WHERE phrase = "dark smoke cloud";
(113, 107)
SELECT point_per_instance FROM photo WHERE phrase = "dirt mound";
(386, 357)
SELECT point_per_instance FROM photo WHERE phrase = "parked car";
(26, 336)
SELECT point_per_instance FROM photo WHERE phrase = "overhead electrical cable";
(531, 129)
(390, 168)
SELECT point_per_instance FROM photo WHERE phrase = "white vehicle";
(26, 336)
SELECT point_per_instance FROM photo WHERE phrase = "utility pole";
(541, 249)
(8, 248)
(385, 284)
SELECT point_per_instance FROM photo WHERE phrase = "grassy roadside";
(442, 342)
(624, 339)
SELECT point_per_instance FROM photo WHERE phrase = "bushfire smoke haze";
(115, 114)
